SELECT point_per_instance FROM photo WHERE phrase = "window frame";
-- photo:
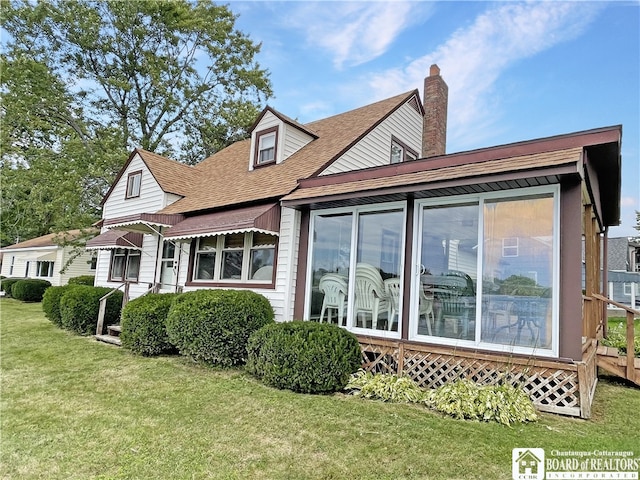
(247, 249)
(49, 272)
(125, 254)
(408, 154)
(257, 150)
(355, 212)
(554, 191)
(132, 188)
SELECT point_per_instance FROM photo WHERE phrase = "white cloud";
(354, 32)
(474, 57)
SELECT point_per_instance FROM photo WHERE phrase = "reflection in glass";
(518, 271)
(331, 251)
(449, 257)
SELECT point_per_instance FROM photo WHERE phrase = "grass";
(72, 408)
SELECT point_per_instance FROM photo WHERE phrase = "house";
(444, 265)
(623, 276)
(48, 258)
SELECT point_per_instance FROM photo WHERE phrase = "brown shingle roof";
(224, 179)
(426, 176)
(172, 176)
(50, 240)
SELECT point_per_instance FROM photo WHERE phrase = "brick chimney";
(434, 126)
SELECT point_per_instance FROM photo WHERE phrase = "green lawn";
(72, 408)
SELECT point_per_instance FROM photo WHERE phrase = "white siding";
(375, 149)
(81, 265)
(293, 139)
(151, 198)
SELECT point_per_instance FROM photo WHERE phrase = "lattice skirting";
(559, 387)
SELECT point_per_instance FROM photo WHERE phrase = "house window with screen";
(125, 265)
(401, 152)
(266, 142)
(133, 184)
(235, 257)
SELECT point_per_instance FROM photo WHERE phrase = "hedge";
(80, 305)
(51, 303)
(143, 324)
(29, 289)
(6, 284)
(213, 326)
(82, 280)
(305, 357)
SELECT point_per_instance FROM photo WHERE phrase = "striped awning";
(112, 239)
(149, 223)
(261, 218)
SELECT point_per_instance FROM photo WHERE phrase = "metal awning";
(112, 239)
(48, 257)
(146, 223)
(261, 218)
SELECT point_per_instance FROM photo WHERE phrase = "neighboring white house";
(45, 258)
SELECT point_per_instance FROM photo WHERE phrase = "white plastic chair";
(392, 288)
(334, 287)
(370, 297)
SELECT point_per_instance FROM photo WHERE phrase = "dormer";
(275, 137)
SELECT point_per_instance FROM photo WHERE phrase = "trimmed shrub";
(213, 326)
(82, 280)
(29, 289)
(143, 324)
(6, 284)
(305, 357)
(79, 308)
(51, 303)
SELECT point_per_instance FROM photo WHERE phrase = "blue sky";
(516, 71)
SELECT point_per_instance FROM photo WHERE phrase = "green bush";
(213, 326)
(82, 280)
(504, 403)
(386, 387)
(304, 357)
(29, 289)
(143, 324)
(6, 284)
(80, 305)
(51, 303)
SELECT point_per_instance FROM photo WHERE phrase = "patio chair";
(426, 308)
(334, 288)
(370, 298)
(392, 289)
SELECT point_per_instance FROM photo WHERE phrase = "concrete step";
(114, 330)
(114, 340)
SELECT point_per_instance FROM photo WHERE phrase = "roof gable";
(223, 179)
(171, 176)
(50, 240)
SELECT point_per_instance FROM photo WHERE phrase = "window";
(490, 265)
(125, 265)
(400, 152)
(236, 257)
(266, 142)
(13, 262)
(93, 262)
(44, 269)
(510, 247)
(357, 250)
(133, 184)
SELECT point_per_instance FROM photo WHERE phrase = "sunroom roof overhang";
(258, 218)
(146, 223)
(490, 176)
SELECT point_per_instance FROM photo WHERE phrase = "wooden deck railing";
(103, 304)
(630, 314)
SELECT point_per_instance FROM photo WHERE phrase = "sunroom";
(467, 264)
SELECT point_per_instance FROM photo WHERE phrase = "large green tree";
(83, 82)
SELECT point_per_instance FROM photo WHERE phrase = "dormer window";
(266, 142)
(400, 152)
(133, 184)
